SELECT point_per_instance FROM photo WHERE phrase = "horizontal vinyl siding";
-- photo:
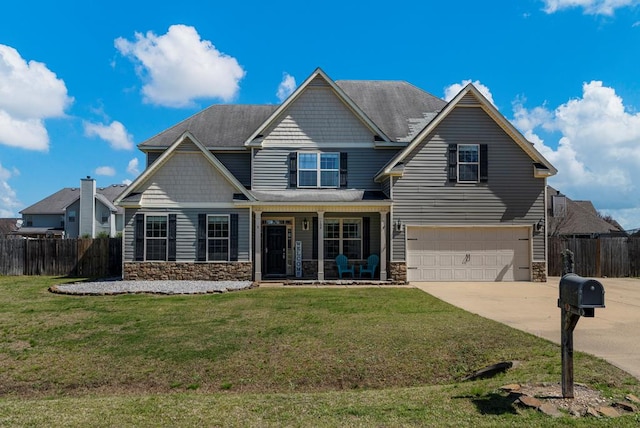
(317, 116)
(512, 196)
(186, 229)
(271, 169)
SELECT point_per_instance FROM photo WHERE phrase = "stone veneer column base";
(398, 272)
(149, 271)
(539, 272)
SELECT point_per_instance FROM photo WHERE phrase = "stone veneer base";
(176, 271)
(539, 272)
(398, 271)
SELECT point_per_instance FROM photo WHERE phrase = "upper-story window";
(468, 162)
(318, 169)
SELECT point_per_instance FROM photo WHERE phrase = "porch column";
(383, 245)
(320, 245)
(257, 247)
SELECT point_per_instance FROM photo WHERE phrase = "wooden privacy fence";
(614, 257)
(92, 258)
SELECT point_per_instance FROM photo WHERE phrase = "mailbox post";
(578, 297)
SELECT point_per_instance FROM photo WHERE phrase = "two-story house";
(439, 191)
(73, 212)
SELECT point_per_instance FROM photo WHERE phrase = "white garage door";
(468, 254)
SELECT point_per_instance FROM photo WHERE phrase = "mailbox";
(580, 293)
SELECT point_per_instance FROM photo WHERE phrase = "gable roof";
(218, 126)
(186, 136)
(318, 73)
(412, 108)
(58, 202)
(491, 110)
(581, 218)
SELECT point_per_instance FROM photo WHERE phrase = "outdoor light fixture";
(540, 225)
(305, 224)
(399, 226)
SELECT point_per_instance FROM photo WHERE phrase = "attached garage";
(468, 253)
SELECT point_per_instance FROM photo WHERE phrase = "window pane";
(467, 153)
(351, 229)
(219, 250)
(329, 161)
(156, 226)
(331, 248)
(329, 178)
(218, 227)
(307, 161)
(307, 179)
(332, 229)
(468, 172)
(156, 249)
(352, 248)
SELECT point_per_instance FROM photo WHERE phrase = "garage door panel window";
(343, 236)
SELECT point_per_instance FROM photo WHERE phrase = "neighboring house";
(7, 226)
(577, 219)
(75, 212)
(440, 191)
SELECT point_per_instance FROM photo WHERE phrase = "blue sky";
(82, 83)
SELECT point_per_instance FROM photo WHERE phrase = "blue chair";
(372, 265)
(343, 265)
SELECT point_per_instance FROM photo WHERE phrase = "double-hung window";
(343, 236)
(218, 238)
(318, 169)
(156, 237)
(468, 162)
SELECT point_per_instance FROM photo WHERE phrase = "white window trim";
(459, 163)
(341, 237)
(228, 238)
(166, 238)
(319, 171)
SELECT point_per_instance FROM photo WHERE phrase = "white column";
(383, 245)
(257, 247)
(320, 245)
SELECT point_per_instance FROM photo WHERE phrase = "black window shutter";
(314, 243)
(201, 250)
(453, 163)
(484, 163)
(366, 237)
(139, 237)
(172, 238)
(233, 237)
(343, 169)
(293, 169)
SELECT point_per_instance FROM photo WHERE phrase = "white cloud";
(179, 67)
(9, 203)
(29, 94)
(115, 134)
(126, 181)
(598, 149)
(106, 171)
(286, 87)
(451, 91)
(590, 7)
(132, 167)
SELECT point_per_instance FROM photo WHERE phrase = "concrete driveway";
(613, 334)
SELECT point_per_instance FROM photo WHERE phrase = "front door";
(275, 250)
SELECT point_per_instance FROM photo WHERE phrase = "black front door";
(275, 250)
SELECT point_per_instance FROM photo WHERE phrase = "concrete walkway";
(613, 334)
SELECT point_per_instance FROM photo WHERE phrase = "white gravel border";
(101, 288)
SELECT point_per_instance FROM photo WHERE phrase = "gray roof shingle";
(59, 201)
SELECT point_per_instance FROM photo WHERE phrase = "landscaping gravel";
(154, 287)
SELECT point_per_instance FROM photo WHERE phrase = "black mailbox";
(581, 293)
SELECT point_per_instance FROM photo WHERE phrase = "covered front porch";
(298, 243)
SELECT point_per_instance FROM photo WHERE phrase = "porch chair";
(343, 265)
(372, 265)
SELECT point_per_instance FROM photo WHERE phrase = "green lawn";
(267, 357)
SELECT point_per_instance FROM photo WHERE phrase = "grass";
(267, 357)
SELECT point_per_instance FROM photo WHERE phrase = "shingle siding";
(512, 196)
